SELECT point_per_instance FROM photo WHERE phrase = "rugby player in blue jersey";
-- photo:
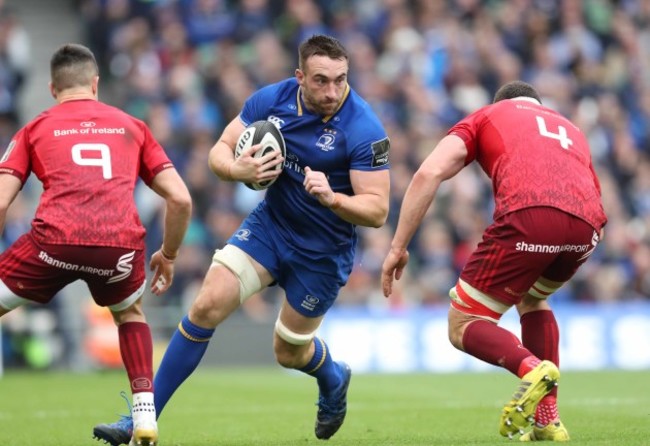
(301, 236)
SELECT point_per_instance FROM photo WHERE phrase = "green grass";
(268, 407)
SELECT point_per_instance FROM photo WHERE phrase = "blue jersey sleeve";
(257, 106)
(370, 148)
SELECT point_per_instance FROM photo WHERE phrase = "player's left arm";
(10, 185)
(169, 185)
(369, 204)
(446, 160)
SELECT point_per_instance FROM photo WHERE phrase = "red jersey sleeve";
(16, 160)
(154, 159)
(467, 130)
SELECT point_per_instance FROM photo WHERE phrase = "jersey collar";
(328, 117)
(526, 98)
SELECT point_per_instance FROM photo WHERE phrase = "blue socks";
(323, 368)
(183, 354)
(188, 345)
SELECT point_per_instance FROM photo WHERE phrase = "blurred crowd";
(186, 66)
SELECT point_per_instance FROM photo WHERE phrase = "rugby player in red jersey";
(547, 221)
(88, 156)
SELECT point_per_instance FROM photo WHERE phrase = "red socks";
(546, 411)
(541, 335)
(495, 345)
(136, 348)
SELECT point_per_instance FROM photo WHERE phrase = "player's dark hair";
(72, 65)
(321, 45)
(516, 89)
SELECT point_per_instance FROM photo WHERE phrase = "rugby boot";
(119, 432)
(332, 410)
(551, 432)
(520, 411)
(145, 433)
(116, 433)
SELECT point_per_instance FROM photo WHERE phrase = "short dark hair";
(516, 89)
(72, 65)
(321, 45)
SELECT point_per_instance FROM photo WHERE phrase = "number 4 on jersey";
(561, 134)
(104, 160)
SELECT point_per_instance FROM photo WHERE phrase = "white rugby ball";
(267, 134)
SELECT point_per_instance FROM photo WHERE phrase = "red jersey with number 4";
(88, 155)
(535, 157)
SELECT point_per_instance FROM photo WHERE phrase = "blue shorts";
(311, 280)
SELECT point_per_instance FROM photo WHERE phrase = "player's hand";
(248, 169)
(316, 185)
(393, 268)
(163, 275)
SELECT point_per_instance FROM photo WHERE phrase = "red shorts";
(37, 272)
(522, 246)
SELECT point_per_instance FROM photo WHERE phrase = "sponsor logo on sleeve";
(10, 148)
(242, 235)
(380, 151)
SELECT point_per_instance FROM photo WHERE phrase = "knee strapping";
(237, 261)
(292, 337)
(468, 300)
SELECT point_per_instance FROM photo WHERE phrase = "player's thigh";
(516, 250)
(580, 242)
(232, 278)
(30, 273)
(257, 237)
(115, 276)
(312, 281)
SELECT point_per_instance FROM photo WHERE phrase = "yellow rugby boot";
(145, 434)
(551, 432)
(519, 412)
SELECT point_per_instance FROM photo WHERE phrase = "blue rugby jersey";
(352, 138)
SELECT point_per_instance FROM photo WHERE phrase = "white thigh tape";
(237, 261)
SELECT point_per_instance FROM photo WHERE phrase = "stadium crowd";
(186, 66)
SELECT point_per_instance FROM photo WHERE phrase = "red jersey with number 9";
(88, 155)
(535, 157)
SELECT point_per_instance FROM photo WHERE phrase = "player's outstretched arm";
(9, 188)
(446, 160)
(178, 210)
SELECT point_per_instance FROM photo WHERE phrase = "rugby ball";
(267, 134)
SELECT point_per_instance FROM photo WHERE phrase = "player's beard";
(324, 107)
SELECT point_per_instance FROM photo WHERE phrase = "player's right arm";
(247, 169)
(446, 160)
(9, 188)
(178, 210)
(222, 154)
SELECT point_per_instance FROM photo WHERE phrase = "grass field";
(272, 407)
